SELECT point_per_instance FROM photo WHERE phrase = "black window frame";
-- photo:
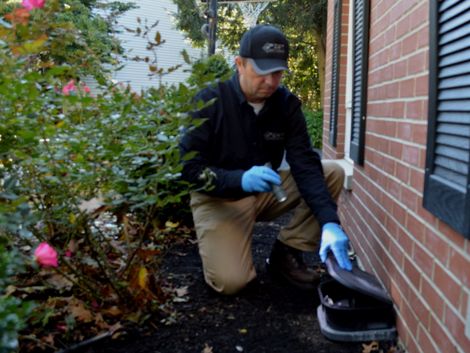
(361, 26)
(335, 73)
(447, 182)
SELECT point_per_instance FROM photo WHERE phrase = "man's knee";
(228, 284)
(334, 177)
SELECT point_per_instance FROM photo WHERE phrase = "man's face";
(256, 88)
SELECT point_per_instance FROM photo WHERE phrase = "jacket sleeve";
(306, 167)
(196, 150)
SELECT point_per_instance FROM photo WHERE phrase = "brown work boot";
(288, 263)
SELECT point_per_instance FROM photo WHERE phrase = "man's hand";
(333, 238)
(259, 179)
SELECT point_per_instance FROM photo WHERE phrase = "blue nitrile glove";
(259, 179)
(333, 238)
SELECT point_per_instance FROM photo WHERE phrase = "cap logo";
(273, 48)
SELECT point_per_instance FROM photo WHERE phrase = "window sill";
(348, 168)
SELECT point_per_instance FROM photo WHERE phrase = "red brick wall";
(424, 264)
(328, 151)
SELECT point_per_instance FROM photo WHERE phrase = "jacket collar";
(235, 82)
(238, 90)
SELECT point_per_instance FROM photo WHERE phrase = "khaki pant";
(224, 228)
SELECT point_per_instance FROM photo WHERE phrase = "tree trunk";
(321, 55)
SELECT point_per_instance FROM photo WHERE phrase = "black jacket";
(234, 138)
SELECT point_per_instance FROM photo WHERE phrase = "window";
(359, 81)
(447, 181)
(335, 74)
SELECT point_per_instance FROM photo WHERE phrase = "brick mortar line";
(402, 163)
(402, 270)
(410, 166)
(404, 120)
(370, 265)
(394, 178)
(400, 58)
(450, 305)
(424, 222)
(371, 231)
(380, 18)
(444, 326)
(411, 335)
(389, 194)
(396, 41)
(362, 247)
(396, 80)
(429, 336)
(394, 139)
(422, 246)
(406, 35)
(398, 99)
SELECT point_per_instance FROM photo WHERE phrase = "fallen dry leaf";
(181, 299)
(182, 291)
(181, 295)
(90, 206)
(143, 278)
(59, 282)
(10, 290)
(113, 311)
(170, 224)
(49, 339)
(100, 322)
(79, 311)
(370, 348)
(207, 349)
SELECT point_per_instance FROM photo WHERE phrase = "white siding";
(168, 54)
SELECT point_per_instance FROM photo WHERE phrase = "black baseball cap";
(267, 47)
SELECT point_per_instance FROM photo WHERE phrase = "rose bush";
(13, 311)
(91, 181)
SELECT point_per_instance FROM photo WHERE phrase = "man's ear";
(239, 62)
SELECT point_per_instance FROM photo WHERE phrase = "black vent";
(359, 96)
(335, 74)
(448, 156)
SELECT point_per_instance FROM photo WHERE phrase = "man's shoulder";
(284, 95)
(209, 92)
(216, 89)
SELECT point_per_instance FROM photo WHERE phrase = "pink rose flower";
(86, 89)
(69, 88)
(33, 4)
(46, 255)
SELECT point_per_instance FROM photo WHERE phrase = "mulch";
(267, 316)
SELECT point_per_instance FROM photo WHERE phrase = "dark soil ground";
(266, 317)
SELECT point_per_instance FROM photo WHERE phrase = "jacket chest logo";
(273, 136)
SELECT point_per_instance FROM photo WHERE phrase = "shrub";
(207, 70)
(14, 214)
(13, 312)
(315, 126)
(94, 176)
